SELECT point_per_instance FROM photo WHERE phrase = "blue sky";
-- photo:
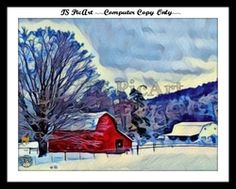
(160, 44)
(146, 50)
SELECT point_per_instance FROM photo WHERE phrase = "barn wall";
(102, 140)
(112, 136)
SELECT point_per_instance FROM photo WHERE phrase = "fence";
(135, 150)
(154, 146)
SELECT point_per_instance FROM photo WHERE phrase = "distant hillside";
(192, 104)
(194, 93)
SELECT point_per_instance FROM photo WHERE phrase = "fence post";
(137, 149)
(154, 145)
(94, 156)
(35, 159)
(65, 156)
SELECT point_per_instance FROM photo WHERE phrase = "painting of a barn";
(95, 133)
(193, 131)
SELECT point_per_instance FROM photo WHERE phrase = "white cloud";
(143, 51)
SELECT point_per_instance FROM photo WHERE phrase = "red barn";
(95, 133)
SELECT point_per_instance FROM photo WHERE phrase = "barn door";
(119, 145)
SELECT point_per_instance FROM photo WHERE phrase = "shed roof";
(188, 128)
(29, 145)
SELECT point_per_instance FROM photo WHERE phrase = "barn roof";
(188, 128)
(86, 122)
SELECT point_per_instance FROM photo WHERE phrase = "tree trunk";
(43, 124)
(43, 147)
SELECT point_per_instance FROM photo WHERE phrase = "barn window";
(119, 143)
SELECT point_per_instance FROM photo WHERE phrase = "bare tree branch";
(51, 63)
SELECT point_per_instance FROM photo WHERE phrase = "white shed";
(193, 130)
(30, 148)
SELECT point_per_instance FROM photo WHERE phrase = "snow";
(30, 148)
(88, 121)
(188, 128)
(29, 145)
(167, 158)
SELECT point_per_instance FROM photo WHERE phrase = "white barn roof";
(188, 128)
(86, 121)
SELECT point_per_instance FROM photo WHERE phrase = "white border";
(223, 103)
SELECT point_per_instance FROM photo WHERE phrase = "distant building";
(30, 148)
(193, 131)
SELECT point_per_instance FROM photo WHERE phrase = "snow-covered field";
(168, 158)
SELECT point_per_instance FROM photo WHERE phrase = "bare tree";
(54, 72)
